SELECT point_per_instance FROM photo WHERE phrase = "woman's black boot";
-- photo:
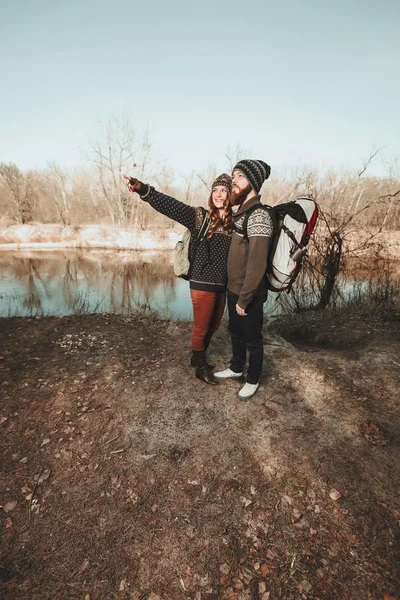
(193, 359)
(203, 372)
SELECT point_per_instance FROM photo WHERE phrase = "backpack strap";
(251, 210)
(290, 234)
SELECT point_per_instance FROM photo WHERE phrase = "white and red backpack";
(294, 223)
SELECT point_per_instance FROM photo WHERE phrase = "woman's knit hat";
(225, 180)
(255, 171)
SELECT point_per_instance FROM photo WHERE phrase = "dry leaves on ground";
(9, 506)
(373, 434)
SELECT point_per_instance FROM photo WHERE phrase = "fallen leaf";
(286, 500)
(203, 581)
(305, 586)
(8, 523)
(224, 569)
(45, 441)
(247, 575)
(116, 482)
(45, 475)
(84, 565)
(334, 494)
(3, 420)
(388, 597)
(237, 584)
(122, 585)
(10, 506)
(296, 513)
(262, 587)
(225, 580)
(264, 571)
(131, 496)
(245, 501)
(373, 434)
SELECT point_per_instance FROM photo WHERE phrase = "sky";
(293, 83)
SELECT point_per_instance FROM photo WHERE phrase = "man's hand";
(240, 311)
(134, 184)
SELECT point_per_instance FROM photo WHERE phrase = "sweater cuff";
(144, 190)
(242, 304)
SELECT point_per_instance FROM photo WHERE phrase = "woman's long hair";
(215, 220)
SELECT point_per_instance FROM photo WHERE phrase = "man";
(247, 264)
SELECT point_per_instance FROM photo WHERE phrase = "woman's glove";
(136, 186)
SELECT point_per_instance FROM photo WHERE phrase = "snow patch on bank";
(53, 236)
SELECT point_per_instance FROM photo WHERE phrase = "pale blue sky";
(295, 82)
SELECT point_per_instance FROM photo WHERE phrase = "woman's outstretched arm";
(166, 205)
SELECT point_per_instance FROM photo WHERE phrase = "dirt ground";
(123, 477)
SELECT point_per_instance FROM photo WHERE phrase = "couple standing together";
(232, 258)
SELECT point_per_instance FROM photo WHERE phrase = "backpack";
(185, 253)
(293, 222)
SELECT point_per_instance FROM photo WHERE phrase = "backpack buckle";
(298, 252)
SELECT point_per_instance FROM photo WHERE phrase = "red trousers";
(208, 308)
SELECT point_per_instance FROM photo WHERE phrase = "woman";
(208, 273)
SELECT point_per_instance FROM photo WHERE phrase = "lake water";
(69, 282)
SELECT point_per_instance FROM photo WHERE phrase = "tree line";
(97, 194)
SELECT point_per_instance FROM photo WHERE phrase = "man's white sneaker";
(248, 390)
(227, 374)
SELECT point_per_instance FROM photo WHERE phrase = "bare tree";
(208, 176)
(116, 147)
(59, 191)
(346, 202)
(234, 155)
(391, 193)
(20, 190)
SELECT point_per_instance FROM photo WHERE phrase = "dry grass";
(135, 481)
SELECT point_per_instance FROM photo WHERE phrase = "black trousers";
(246, 333)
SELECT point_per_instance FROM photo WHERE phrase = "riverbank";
(55, 236)
(125, 477)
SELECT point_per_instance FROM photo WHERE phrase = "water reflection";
(75, 282)
(61, 283)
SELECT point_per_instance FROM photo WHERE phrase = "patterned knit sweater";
(247, 261)
(209, 272)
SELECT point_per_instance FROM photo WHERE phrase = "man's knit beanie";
(225, 180)
(255, 171)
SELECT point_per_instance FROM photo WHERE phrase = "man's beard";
(238, 198)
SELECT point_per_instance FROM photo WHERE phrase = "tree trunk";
(332, 261)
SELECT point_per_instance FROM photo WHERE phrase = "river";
(65, 282)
